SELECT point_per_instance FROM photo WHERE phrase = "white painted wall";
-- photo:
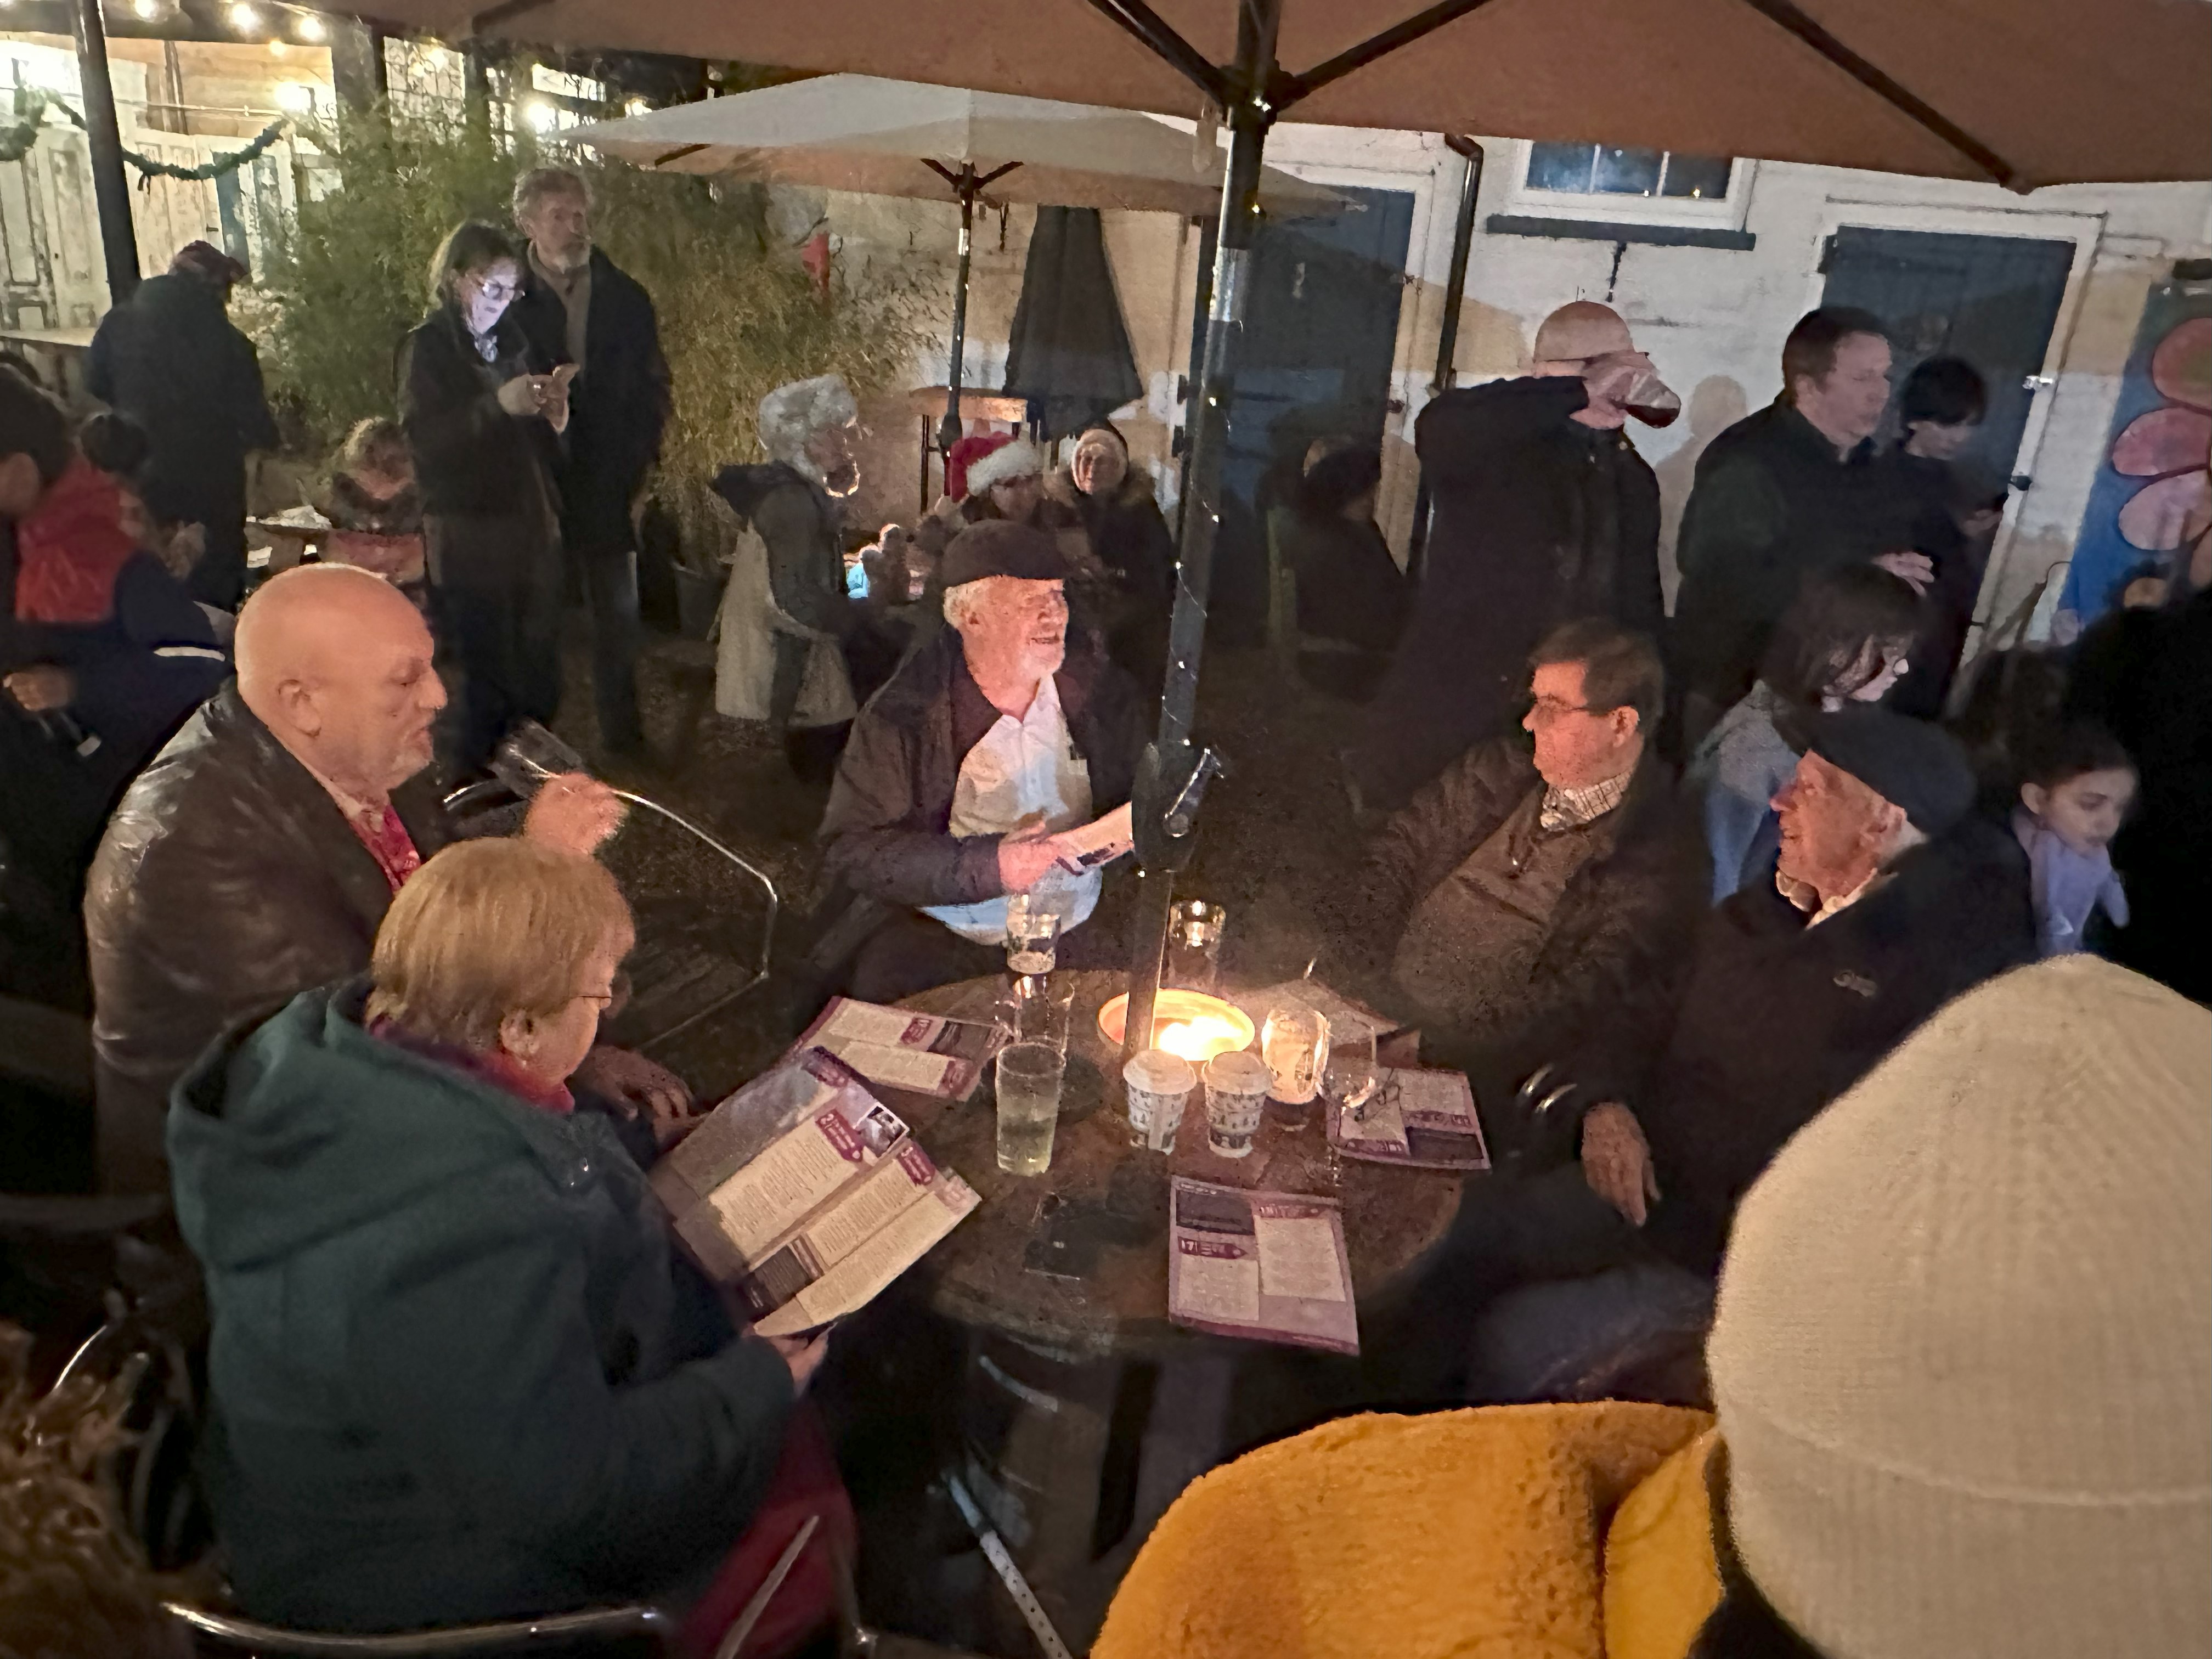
(1712, 319)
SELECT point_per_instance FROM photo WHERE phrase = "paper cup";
(1160, 1085)
(1235, 1096)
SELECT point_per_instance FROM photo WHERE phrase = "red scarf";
(70, 547)
(493, 1067)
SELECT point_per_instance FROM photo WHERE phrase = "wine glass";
(1350, 1075)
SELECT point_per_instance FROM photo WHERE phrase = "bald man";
(1544, 513)
(255, 857)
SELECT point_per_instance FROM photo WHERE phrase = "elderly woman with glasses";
(458, 1372)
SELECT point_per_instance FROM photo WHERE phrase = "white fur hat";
(793, 413)
(1018, 460)
(1963, 1354)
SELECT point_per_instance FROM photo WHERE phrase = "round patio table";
(1082, 1410)
(1392, 1217)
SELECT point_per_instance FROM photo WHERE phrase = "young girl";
(373, 503)
(2076, 787)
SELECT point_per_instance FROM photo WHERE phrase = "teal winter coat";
(456, 1373)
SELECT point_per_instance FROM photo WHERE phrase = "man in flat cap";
(1544, 513)
(964, 774)
(1891, 898)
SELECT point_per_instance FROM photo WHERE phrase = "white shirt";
(1018, 768)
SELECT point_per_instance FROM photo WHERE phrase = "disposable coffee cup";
(1160, 1085)
(1235, 1096)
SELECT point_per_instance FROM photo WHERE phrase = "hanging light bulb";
(539, 114)
(310, 27)
(243, 17)
(148, 10)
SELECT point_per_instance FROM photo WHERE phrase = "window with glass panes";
(1610, 170)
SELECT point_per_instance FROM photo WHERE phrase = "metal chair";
(599, 1631)
(529, 756)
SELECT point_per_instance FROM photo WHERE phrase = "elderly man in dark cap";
(965, 773)
(1891, 898)
(169, 358)
(1544, 513)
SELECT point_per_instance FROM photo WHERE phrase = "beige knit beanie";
(1963, 1352)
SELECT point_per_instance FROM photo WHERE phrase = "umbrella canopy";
(2024, 92)
(862, 133)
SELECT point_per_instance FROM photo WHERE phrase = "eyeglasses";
(1551, 709)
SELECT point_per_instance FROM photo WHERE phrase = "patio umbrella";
(2024, 93)
(860, 132)
(1068, 350)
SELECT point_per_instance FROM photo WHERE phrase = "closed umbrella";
(1068, 351)
(2024, 93)
(860, 132)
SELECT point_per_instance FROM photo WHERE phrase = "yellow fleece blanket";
(1519, 1532)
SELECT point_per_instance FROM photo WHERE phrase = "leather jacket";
(227, 883)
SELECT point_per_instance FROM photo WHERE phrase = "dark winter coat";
(1127, 535)
(888, 828)
(618, 404)
(2147, 676)
(1626, 914)
(1539, 519)
(1773, 504)
(169, 358)
(456, 1373)
(1776, 1019)
(1132, 603)
(799, 526)
(227, 883)
(470, 455)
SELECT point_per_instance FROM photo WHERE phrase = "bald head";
(336, 664)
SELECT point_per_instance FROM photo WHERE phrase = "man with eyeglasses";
(1532, 888)
(1544, 513)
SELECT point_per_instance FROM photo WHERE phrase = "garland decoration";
(31, 105)
(213, 168)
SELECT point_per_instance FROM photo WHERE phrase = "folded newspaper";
(808, 1193)
(1423, 1118)
(923, 1053)
(1266, 1265)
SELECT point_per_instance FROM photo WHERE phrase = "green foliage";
(738, 315)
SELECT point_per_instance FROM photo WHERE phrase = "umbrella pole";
(948, 430)
(1170, 776)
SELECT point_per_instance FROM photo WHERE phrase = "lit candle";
(1199, 1039)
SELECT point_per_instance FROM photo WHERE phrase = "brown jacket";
(227, 883)
(1624, 922)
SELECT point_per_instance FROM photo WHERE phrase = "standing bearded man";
(578, 307)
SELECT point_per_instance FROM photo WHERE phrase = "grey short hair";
(792, 414)
(963, 605)
(532, 187)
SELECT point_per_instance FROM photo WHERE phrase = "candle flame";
(1200, 1038)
